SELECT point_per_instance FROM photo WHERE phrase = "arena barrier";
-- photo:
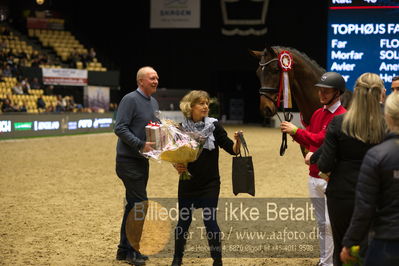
(23, 125)
(18, 125)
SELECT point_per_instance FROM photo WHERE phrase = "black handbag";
(243, 171)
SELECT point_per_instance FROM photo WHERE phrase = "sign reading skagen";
(46, 125)
(175, 14)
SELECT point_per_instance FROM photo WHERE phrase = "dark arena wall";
(202, 58)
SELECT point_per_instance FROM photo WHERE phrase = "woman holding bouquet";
(202, 189)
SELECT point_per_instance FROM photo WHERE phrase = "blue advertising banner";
(363, 36)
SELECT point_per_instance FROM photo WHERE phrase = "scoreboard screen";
(363, 36)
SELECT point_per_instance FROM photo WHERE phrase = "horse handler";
(330, 87)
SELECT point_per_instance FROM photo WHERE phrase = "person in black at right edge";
(377, 197)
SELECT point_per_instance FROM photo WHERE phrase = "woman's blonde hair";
(363, 120)
(191, 99)
(392, 111)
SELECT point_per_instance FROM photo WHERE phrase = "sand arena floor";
(61, 201)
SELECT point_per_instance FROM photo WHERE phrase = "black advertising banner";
(22, 125)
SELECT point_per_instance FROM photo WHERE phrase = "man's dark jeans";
(134, 175)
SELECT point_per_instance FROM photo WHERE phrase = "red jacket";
(313, 136)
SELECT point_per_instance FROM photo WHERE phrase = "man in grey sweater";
(135, 111)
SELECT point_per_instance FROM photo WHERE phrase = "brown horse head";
(304, 75)
(268, 74)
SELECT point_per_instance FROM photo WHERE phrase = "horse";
(302, 78)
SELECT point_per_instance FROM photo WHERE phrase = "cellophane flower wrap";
(173, 144)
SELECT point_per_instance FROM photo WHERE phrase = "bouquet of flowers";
(173, 144)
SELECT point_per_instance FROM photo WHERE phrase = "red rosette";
(285, 60)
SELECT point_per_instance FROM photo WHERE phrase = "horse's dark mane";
(303, 55)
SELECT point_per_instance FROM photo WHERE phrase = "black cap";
(332, 80)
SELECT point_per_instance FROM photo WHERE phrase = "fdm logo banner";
(250, 228)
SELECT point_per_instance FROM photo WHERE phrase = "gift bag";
(243, 171)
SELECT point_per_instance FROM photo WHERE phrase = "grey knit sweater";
(135, 111)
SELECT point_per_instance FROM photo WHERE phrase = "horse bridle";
(264, 91)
